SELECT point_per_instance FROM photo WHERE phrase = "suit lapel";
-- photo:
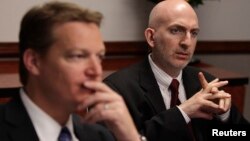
(78, 129)
(148, 82)
(86, 132)
(21, 127)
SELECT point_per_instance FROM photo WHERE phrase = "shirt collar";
(162, 77)
(46, 127)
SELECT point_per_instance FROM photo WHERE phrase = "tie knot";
(64, 135)
(174, 86)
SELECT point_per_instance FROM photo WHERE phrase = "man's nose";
(95, 68)
(186, 40)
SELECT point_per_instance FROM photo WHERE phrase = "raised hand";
(201, 104)
(109, 107)
(224, 103)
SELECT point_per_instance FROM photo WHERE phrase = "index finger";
(98, 86)
(203, 80)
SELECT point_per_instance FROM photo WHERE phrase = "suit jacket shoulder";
(16, 125)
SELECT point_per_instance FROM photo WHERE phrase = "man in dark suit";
(147, 86)
(61, 50)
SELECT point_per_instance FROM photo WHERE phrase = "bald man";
(172, 35)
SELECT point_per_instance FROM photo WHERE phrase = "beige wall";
(224, 20)
(124, 20)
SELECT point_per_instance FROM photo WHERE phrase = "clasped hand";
(209, 101)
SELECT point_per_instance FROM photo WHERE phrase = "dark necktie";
(64, 135)
(174, 86)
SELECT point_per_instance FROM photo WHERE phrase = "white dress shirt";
(46, 127)
(164, 80)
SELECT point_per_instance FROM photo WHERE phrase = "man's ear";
(31, 61)
(149, 34)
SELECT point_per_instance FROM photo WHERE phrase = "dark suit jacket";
(16, 125)
(142, 95)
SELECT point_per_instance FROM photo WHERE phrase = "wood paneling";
(223, 47)
(8, 50)
(9, 66)
(238, 95)
(136, 48)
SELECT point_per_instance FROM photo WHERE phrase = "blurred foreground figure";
(61, 50)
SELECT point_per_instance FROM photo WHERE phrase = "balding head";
(172, 35)
(167, 9)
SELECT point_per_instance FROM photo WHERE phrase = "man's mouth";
(182, 55)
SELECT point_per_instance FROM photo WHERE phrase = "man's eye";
(194, 33)
(101, 56)
(76, 56)
(176, 31)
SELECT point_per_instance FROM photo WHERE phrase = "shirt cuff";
(187, 119)
(224, 117)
